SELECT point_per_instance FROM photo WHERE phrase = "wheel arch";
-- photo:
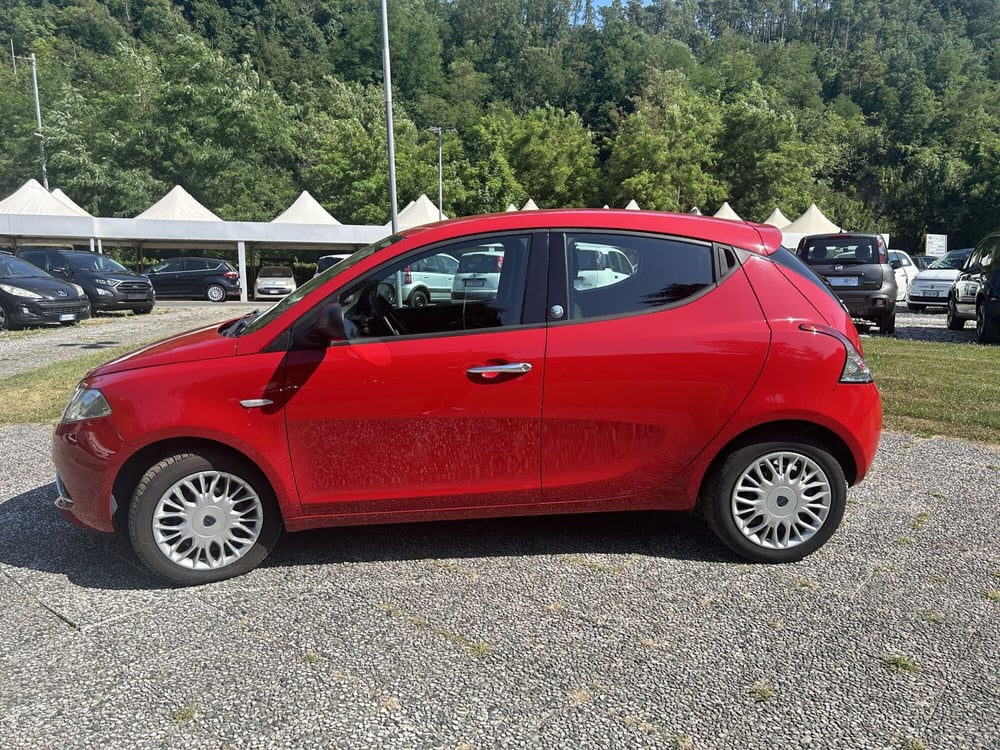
(138, 463)
(764, 432)
(418, 288)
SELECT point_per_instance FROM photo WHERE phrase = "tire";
(190, 493)
(418, 298)
(216, 293)
(4, 319)
(915, 308)
(751, 505)
(142, 310)
(887, 323)
(987, 328)
(954, 322)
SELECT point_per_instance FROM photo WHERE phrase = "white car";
(273, 282)
(931, 287)
(600, 266)
(906, 271)
(325, 261)
(425, 280)
(478, 275)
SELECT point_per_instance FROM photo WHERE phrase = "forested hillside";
(886, 113)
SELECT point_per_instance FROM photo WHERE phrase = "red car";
(719, 373)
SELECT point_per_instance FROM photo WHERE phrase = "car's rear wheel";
(216, 293)
(777, 500)
(4, 318)
(954, 322)
(418, 298)
(202, 517)
(915, 308)
(987, 328)
(887, 323)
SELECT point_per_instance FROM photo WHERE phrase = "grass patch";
(898, 664)
(921, 393)
(993, 595)
(39, 396)
(762, 692)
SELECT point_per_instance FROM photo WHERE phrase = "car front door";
(422, 408)
(642, 373)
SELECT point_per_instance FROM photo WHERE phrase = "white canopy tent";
(178, 204)
(305, 210)
(32, 198)
(416, 213)
(812, 221)
(777, 219)
(529, 206)
(632, 206)
(726, 212)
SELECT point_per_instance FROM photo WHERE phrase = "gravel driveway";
(630, 630)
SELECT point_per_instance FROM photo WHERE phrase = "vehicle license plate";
(843, 280)
(474, 282)
(136, 297)
(67, 316)
(932, 293)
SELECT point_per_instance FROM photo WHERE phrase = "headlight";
(106, 282)
(79, 290)
(104, 292)
(19, 292)
(86, 403)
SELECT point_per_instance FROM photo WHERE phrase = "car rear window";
(273, 272)
(480, 263)
(839, 250)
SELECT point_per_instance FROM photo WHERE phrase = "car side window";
(195, 264)
(487, 291)
(666, 272)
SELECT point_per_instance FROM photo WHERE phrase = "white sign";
(937, 245)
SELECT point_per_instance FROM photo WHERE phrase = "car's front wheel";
(216, 293)
(987, 328)
(202, 517)
(4, 318)
(777, 500)
(418, 298)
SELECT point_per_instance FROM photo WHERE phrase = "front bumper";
(29, 312)
(87, 456)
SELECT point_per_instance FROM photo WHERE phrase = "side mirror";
(61, 271)
(895, 264)
(329, 326)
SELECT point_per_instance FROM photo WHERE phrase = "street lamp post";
(439, 130)
(390, 141)
(38, 108)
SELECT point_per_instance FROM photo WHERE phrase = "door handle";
(255, 403)
(514, 368)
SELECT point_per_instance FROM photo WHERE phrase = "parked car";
(426, 280)
(600, 266)
(325, 261)
(975, 295)
(858, 269)
(933, 285)
(107, 283)
(922, 261)
(906, 271)
(273, 282)
(722, 374)
(29, 295)
(195, 278)
(478, 274)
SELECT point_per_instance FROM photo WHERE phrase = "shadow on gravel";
(35, 536)
(92, 345)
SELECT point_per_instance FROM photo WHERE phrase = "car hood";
(938, 274)
(47, 287)
(193, 346)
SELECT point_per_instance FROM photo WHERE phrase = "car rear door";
(443, 414)
(642, 373)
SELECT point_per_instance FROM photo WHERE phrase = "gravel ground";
(630, 630)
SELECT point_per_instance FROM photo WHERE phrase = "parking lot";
(630, 630)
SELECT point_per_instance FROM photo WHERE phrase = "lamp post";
(390, 144)
(439, 130)
(38, 108)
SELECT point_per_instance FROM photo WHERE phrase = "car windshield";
(15, 268)
(292, 299)
(276, 272)
(953, 260)
(93, 262)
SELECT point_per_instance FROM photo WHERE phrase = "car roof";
(761, 238)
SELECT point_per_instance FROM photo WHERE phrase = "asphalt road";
(630, 630)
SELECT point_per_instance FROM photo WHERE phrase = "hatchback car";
(426, 280)
(857, 268)
(108, 284)
(29, 296)
(273, 282)
(906, 271)
(478, 274)
(722, 374)
(975, 295)
(325, 261)
(195, 278)
(600, 266)
(931, 287)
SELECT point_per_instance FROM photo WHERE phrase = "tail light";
(855, 368)
(407, 276)
(231, 275)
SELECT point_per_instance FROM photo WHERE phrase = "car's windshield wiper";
(240, 325)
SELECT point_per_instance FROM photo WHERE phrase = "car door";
(642, 373)
(165, 277)
(422, 408)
